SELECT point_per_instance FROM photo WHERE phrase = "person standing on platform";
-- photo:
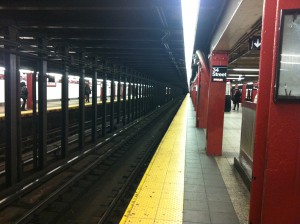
(237, 99)
(87, 92)
(23, 95)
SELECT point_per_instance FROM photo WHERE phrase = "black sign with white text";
(254, 43)
(219, 74)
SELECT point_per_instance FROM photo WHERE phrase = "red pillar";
(275, 188)
(216, 105)
(244, 93)
(29, 88)
(201, 121)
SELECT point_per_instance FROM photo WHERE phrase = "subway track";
(53, 143)
(88, 187)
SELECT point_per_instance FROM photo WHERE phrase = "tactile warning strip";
(159, 196)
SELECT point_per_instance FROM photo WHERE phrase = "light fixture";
(190, 10)
(26, 38)
(246, 69)
(235, 78)
(234, 75)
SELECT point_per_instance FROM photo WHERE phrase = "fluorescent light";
(25, 71)
(26, 38)
(234, 75)
(246, 69)
(236, 78)
(291, 55)
(238, 75)
(55, 74)
(291, 63)
(190, 10)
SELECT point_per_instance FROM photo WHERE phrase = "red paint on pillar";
(215, 115)
(203, 88)
(244, 93)
(275, 195)
(198, 96)
(29, 88)
(262, 109)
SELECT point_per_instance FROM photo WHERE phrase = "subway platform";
(184, 185)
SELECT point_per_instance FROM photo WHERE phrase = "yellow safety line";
(159, 196)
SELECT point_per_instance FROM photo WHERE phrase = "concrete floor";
(214, 191)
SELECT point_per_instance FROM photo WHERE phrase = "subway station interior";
(158, 111)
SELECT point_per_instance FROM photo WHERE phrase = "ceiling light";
(25, 71)
(246, 69)
(190, 10)
(234, 75)
(26, 38)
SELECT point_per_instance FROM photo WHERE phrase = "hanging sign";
(255, 43)
(219, 74)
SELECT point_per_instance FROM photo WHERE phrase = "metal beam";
(12, 111)
(42, 105)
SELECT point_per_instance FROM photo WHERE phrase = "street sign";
(219, 74)
(255, 43)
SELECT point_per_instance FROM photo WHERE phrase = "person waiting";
(237, 99)
(23, 95)
(87, 92)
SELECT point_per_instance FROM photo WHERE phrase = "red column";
(275, 189)
(201, 121)
(29, 88)
(244, 93)
(216, 105)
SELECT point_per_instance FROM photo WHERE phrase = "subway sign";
(219, 74)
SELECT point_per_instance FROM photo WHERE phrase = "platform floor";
(54, 105)
(184, 185)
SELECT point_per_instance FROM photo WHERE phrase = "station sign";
(255, 43)
(219, 74)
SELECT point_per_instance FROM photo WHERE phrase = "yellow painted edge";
(183, 109)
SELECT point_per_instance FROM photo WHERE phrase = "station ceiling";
(145, 36)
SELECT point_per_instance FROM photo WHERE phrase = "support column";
(104, 99)
(275, 196)
(243, 97)
(30, 93)
(34, 122)
(81, 137)
(119, 99)
(129, 99)
(138, 91)
(133, 99)
(65, 104)
(112, 103)
(144, 97)
(262, 112)
(216, 104)
(12, 109)
(94, 101)
(42, 105)
(124, 100)
(204, 78)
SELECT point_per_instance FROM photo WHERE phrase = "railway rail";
(90, 185)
